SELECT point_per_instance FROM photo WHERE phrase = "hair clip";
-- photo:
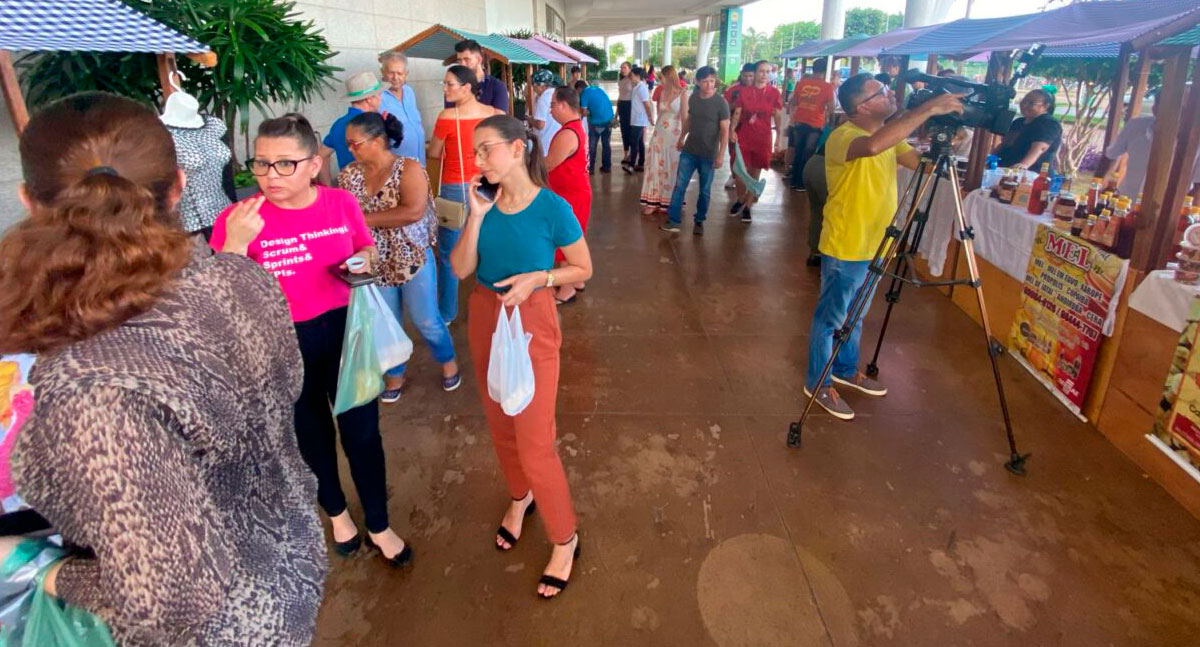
(102, 170)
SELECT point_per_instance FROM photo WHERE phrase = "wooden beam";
(900, 86)
(12, 92)
(1156, 227)
(999, 69)
(1179, 179)
(931, 64)
(512, 89)
(1116, 103)
(528, 92)
(855, 64)
(1140, 79)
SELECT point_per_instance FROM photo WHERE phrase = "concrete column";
(833, 19)
(610, 63)
(635, 55)
(667, 45)
(706, 28)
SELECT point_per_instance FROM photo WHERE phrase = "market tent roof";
(91, 25)
(839, 47)
(1091, 23)
(875, 44)
(579, 56)
(1189, 37)
(438, 42)
(962, 36)
(808, 48)
(541, 49)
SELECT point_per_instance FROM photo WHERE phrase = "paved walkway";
(682, 367)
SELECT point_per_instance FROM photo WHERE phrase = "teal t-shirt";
(525, 241)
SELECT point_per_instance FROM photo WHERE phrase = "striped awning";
(543, 50)
(959, 36)
(808, 48)
(437, 42)
(86, 25)
(1189, 37)
(579, 56)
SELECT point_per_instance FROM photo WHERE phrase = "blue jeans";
(600, 135)
(804, 142)
(447, 239)
(419, 297)
(840, 280)
(688, 164)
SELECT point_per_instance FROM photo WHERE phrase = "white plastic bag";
(392, 345)
(510, 369)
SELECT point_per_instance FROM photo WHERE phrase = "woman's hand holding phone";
(479, 204)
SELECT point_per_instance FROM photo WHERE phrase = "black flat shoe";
(399, 560)
(348, 548)
(507, 536)
(561, 585)
(734, 208)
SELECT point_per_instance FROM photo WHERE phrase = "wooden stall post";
(1156, 227)
(901, 87)
(1179, 180)
(512, 89)
(1116, 104)
(855, 64)
(12, 92)
(1140, 80)
(528, 91)
(931, 64)
(999, 69)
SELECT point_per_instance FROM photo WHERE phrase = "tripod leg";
(884, 256)
(908, 244)
(1016, 461)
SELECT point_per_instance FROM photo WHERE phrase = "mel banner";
(1068, 305)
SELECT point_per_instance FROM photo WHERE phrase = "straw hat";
(361, 86)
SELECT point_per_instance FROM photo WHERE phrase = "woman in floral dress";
(662, 160)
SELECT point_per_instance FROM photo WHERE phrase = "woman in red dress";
(567, 162)
(755, 108)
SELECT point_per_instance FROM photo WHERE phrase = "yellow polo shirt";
(862, 196)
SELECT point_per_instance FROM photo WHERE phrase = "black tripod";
(896, 249)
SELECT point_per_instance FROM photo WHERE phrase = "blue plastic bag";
(360, 379)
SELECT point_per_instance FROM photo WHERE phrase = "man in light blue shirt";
(598, 108)
(400, 100)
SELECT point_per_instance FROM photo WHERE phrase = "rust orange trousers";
(525, 442)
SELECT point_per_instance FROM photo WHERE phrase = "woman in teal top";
(509, 245)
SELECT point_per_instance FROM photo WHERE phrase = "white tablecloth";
(939, 229)
(1164, 299)
(1003, 233)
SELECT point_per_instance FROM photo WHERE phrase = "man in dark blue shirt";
(362, 91)
(598, 109)
(492, 90)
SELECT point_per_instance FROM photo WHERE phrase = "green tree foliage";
(616, 53)
(871, 22)
(595, 51)
(265, 54)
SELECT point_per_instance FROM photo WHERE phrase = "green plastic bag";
(359, 379)
(53, 623)
(739, 168)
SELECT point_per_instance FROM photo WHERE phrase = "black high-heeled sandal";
(399, 560)
(560, 584)
(507, 536)
(349, 547)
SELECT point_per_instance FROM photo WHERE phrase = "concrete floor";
(681, 368)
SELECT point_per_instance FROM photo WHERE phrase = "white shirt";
(637, 114)
(542, 113)
(1135, 140)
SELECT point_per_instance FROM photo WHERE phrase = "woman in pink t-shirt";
(304, 234)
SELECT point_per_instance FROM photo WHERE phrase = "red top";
(455, 171)
(570, 178)
(809, 100)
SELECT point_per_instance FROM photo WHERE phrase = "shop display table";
(1003, 233)
(939, 229)
(1163, 299)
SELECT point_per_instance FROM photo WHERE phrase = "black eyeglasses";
(882, 90)
(284, 168)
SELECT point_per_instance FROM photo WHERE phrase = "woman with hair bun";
(161, 446)
(393, 193)
(306, 235)
(509, 245)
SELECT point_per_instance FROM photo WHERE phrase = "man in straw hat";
(362, 91)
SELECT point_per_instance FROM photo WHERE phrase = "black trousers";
(804, 140)
(637, 145)
(625, 114)
(321, 348)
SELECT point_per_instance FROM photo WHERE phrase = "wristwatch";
(549, 279)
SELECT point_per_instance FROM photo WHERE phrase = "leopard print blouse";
(401, 249)
(164, 450)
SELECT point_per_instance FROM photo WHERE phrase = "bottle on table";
(1007, 188)
(1093, 194)
(1064, 212)
(1039, 192)
(1184, 220)
(1023, 193)
(1079, 223)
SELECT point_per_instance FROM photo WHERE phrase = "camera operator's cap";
(543, 77)
(362, 86)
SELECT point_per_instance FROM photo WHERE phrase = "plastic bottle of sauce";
(1088, 227)
(1093, 195)
(1103, 226)
(1081, 218)
(1113, 231)
(1040, 191)
(1023, 193)
(1128, 227)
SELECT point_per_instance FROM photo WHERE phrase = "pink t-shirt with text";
(303, 248)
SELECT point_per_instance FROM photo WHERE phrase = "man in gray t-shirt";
(702, 144)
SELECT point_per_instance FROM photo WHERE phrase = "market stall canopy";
(86, 25)
(874, 45)
(839, 47)
(545, 51)
(808, 48)
(961, 36)
(1140, 23)
(579, 56)
(438, 41)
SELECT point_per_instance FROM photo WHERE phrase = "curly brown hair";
(102, 240)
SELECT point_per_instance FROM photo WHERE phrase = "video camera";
(986, 105)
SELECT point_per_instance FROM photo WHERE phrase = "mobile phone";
(487, 190)
(355, 280)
